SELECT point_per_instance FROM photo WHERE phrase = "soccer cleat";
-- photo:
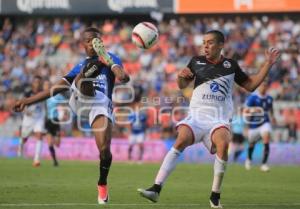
(151, 193)
(102, 194)
(100, 50)
(264, 168)
(214, 200)
(55, 163)
(36, 164)
(248, 164)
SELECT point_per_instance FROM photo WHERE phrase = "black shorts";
(238, 138)
(52, 127)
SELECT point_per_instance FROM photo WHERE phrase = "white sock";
(38, 150)
(168, 165)
(219, 170)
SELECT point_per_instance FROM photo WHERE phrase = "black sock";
(155, 188)
(105, 164)
(129, 152)
(250, 152)
(52, 153)
(236, 155)
(141, 154)
(215, 198)
(266, 153)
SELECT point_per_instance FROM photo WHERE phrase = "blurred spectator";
(46, 46)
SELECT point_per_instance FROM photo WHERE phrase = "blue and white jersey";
(104, 81)
(52, 104)
(138, 122)
(264, 102)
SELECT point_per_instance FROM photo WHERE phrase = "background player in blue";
(260, 107)
(91, 81)
(52, 122)
(138, 126)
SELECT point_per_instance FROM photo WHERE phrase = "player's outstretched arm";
(184, 77)
(272, 55)
(120, 73)
(58, 87)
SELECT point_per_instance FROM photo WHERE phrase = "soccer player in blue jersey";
(260, 107)
(92, 82)
(137, 119)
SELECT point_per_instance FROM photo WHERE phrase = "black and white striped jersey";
(212, 95)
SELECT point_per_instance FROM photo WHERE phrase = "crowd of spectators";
(51, 46)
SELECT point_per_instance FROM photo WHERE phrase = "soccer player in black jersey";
(210, 110)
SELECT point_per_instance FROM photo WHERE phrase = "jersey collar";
(212, 62)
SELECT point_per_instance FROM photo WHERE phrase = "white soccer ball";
(144, 35)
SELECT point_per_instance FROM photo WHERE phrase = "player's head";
(87, 37)
(213, 43)
(36, 83)
(262, 89)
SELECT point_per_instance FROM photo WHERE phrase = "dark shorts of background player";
(238, 138)
(52, 126)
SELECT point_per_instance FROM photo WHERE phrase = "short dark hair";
(91, 29)
(218, 34)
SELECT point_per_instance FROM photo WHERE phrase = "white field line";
(138, 204)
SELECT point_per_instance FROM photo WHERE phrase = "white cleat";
(264, 168)
(103, 201)
(150, 195)
(248, 164)
(212, 205)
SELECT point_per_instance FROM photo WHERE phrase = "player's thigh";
(221, 137)
(39, 128)
(265, 132)
(132, 139)
(253, 135)
(102, 128)
(140, 138)
(184, 138)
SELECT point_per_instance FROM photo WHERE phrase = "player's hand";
(19, 105)
(272, 55)
(185, 73)
(92, 69)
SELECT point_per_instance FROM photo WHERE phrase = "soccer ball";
(144, 35)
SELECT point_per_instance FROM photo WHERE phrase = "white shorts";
(30, 124)
(255, 134)
(90, 107)
(202, 132)
(136, 138)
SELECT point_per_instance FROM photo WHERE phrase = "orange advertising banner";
(236, 6)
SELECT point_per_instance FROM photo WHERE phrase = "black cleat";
(214, 200)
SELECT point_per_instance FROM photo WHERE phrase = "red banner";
(236, 6)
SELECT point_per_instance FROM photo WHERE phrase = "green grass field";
(73, 185)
